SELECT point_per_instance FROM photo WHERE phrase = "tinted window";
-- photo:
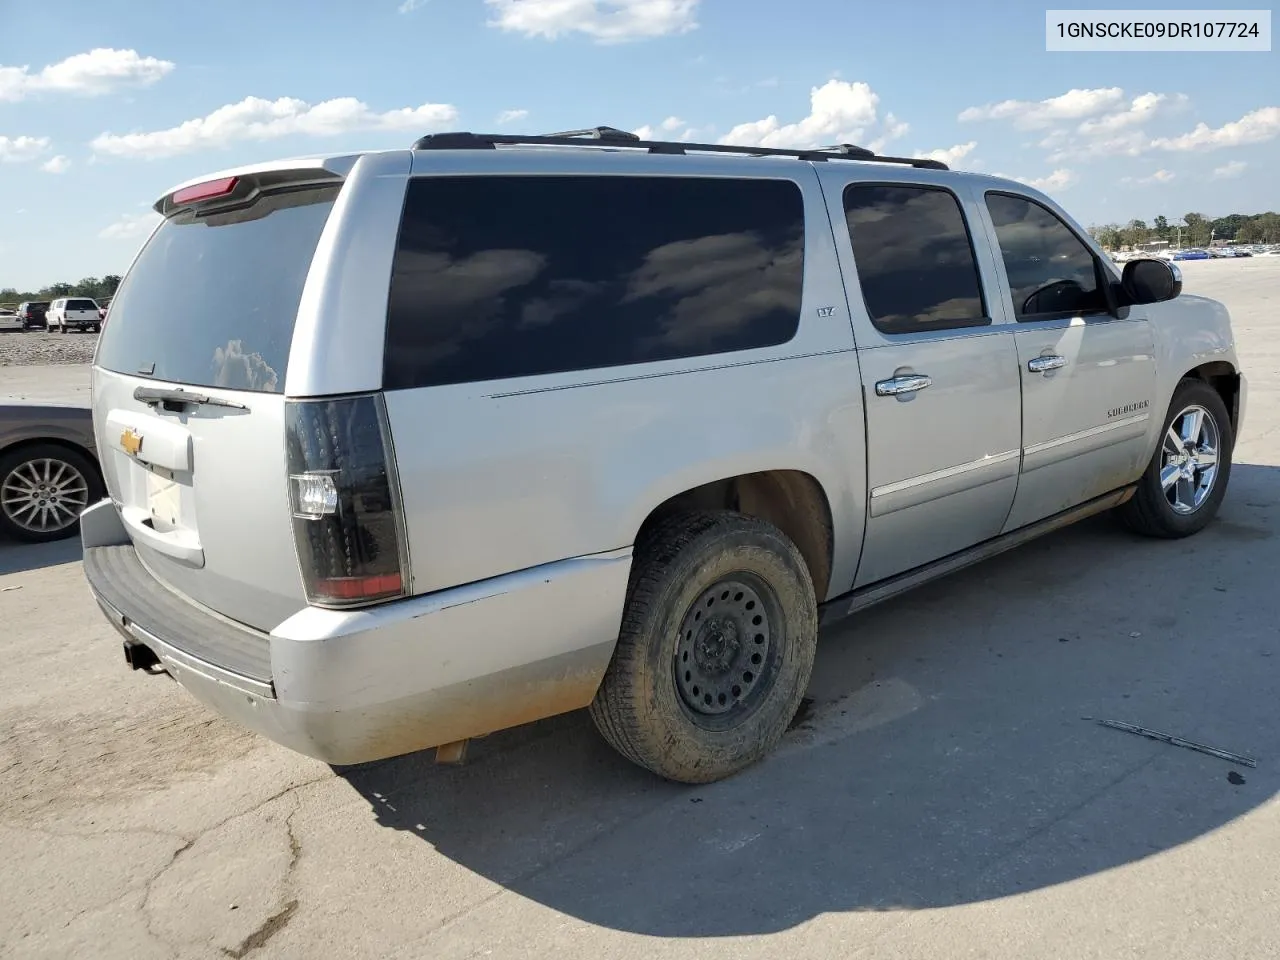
(82, 305)
(211, 301)
(914, 259)
(1051, 272)
(513, 276)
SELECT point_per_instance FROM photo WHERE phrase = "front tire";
(716, 648)
(1183, 486)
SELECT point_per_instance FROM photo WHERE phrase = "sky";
(106, 104)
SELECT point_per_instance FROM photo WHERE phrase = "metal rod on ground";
(1177, 741)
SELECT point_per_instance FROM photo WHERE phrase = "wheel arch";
(53, 441)
(792, 500)
(1225, 380)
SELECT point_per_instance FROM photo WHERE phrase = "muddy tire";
(1183, 485)
(716, 648)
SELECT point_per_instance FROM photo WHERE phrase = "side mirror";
(1150, 281)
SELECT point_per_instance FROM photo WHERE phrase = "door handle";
(900, 385)
(1045, 364)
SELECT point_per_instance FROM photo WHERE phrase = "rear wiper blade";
(154, 395)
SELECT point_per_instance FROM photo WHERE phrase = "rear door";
(939, 373)
(1088, 374)
(209, 307)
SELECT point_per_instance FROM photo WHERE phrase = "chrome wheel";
(44, 495)
(722, 662)
(1190, 459)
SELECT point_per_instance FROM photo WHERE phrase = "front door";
(1088, 377)
(939, 376)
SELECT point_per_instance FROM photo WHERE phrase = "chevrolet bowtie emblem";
(131, 441)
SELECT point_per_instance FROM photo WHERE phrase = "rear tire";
(716, 648)
(65, 479)
(1178, 497)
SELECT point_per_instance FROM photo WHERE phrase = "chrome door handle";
(1045, 364)
(901, 385)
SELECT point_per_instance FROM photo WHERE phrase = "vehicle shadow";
(17, 557)
(944, 758)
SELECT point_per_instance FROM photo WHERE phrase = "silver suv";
(406, 447)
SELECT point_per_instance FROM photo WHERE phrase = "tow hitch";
(139, 656)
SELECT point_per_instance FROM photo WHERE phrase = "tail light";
(347, 520)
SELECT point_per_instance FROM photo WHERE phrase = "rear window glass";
(502, 276)
(81, 305)
(211, 301)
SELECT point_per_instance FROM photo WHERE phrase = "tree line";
(1193, 230)
(97, 288)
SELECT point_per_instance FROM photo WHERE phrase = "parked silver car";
(407, 447)
(48, 470)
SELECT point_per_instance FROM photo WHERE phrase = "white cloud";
(411, 5)
(256, 119)
(644, 133)
(58, 164)
(1128, 144)
(1160, 176)
(1229, 170)
(672, 123)
(1037, 114)
(1255, 127)
(99, 71)
(131, 226)
(839, 112)
(1140, 110)
(1060, 179)
(20, 149)
(948, 155)
(894, 129)
(605, 21)
(511, 116)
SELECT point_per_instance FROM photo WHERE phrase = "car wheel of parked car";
(43, 489)
(1184, 484)
(716, 647)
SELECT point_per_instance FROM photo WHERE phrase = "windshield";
(211, 301)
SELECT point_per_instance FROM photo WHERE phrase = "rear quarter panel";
(505, 475)
(35, 422)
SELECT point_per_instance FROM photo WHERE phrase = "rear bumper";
(352, 686)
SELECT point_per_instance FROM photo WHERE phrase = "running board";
(855, 600)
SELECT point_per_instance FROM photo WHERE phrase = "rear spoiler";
(242, 186)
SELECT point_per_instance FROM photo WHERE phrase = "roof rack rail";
(613, 137)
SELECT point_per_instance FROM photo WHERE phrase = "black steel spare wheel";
(716, 647)
(723, 663)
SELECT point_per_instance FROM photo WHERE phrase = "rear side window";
(1051, 272)
(211, 300)
(914, 258)
(501, 277)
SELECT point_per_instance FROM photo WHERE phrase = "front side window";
(1051, 272)
(914, 258)
(511, 276)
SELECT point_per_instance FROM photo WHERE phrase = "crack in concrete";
(280, 919)
(273, 924)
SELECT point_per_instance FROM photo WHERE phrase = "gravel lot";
(943, 797)
(26, 347)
